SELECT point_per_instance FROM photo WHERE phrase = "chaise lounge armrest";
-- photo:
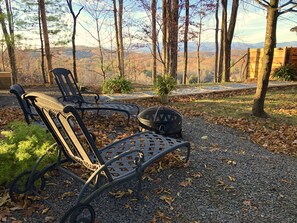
(96, 97)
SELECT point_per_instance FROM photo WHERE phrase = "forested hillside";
(138, 65)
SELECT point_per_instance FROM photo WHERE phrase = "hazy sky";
(250, 26)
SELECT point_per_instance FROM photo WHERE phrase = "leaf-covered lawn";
(276, 133)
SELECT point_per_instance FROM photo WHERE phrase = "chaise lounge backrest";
(67, 84)
(67, 128)
(18, 91)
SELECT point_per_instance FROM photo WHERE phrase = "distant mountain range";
(88, 52)
(210, 46)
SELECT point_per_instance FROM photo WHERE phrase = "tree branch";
(79, 12)
(262, 4)
(289, 10)
(287, 3)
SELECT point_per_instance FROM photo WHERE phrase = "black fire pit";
(161, 120)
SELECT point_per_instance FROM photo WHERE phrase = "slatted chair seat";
(72, 95)
(152, 145)
(113, 164)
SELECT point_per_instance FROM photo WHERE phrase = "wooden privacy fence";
(5, 80)
(282, 56)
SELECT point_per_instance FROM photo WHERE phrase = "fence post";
(286, 55)
(247, 76)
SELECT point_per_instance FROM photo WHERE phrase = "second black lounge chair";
(72, 94)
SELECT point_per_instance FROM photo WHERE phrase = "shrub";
(193, 80)
(117, 85)
(165, 84)
(286, 72)
(20, 147)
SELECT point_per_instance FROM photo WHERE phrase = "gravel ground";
(230, 179)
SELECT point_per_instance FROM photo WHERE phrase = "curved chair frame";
(29, 112)
(111, 165)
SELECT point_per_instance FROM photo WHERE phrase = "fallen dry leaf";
(168, 199)
(233, 179)
(247, 202)
(120, 194)
(196, 175)
(44, 211)
(4, 199)
(187, 182)
(68, 194)
(49, 219)
(162, 217)
(28, 211)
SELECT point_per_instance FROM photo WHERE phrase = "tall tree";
(118, 23)
(74, 16)
(27, 13)
(154, 40)
(41, 47)
(98, 11)
(223, 38)
(164, 36)
(170, 17)
(202, 9)
(174, 38)
(201, 15)
(227, 33)
(273, 11)
(9, 38)
(216, 42)
(46, 40)
(187, 9)
(228, 41)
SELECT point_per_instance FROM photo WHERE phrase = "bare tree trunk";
(154, 41)
(9, 17)
(69, 3)
(223, 40)
(164, 35)
(120, 29)
(41, 48)
(9, 40)
(11, 34)
(270, 43)
(174, 39)
(46, 41)
(101, 58)
(168, 35)
(228, 42)
(198, 49)
(216, 42)
(2, 54)
(116, 25)
(186, 42)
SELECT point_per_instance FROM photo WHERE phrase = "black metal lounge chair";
(72, 94)
(30, 114)
(113, 164)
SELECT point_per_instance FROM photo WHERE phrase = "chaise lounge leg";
(139, 186)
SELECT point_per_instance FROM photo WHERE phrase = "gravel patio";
(229, 179)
